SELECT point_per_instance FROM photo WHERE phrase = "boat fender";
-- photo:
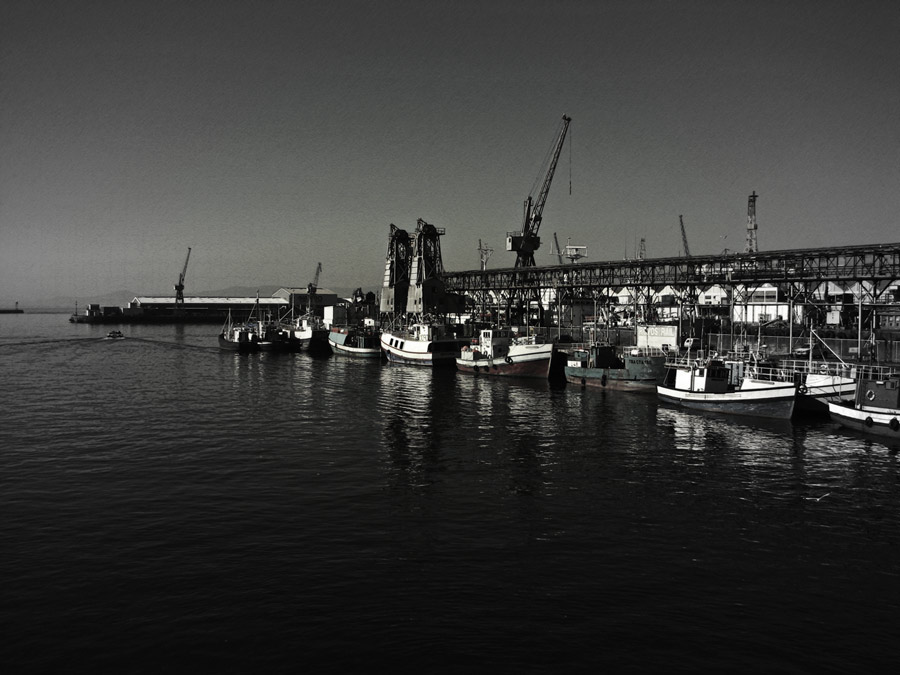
(802, 389)
(509, 359)
(583, 381)
(870, 395)
(869, 422)
(603, 380)
(823, 369)
(894, 424)
(475, 368)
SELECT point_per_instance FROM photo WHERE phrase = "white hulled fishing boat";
(875, 408)
(707, 384)
(500, 351)
(422, 344)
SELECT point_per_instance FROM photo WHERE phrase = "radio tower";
(751, 224)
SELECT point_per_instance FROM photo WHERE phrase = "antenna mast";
(485, 254)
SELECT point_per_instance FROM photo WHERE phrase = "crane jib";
(526, 242)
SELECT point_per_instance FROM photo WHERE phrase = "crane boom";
(526, 242)
(311, 288)
(179, 287)
(558, 250)
(687, 250)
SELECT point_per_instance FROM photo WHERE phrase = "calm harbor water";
(167, 506)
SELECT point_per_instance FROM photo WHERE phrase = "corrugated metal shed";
(208, 302)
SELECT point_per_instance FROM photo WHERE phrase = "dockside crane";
(179, 287)
(559, 254)
(684, 243)
(526, 242)
(311, 289)
(752, 246)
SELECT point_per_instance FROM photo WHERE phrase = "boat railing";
(621, 349)
(685, 359)
(837, 368)
(646, 351)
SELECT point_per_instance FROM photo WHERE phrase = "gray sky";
(269, 136)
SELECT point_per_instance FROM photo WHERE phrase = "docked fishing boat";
(307, 333)
(875, 408)
(819, 383)
(253, 335)
(601, 365)
(422, 344)
(362, 343)
(242, 338)
(709, 385)
(500, 351)
(822, 377)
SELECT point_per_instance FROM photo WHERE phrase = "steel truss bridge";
(800, 274)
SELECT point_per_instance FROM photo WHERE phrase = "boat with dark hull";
(819, 383)
(361, 343)
(875, 409)
(254, 336)
(242, 338)
(501, 352)
(307, 333)
(603, 366)
(707, 385)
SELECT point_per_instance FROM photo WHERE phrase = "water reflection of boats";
(746, 433)
(707, 384)
(602, 365)
(500, 351)
(875, 408)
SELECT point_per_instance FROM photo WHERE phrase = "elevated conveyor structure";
(798, 273)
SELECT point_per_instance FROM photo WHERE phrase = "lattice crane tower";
(751, 224)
